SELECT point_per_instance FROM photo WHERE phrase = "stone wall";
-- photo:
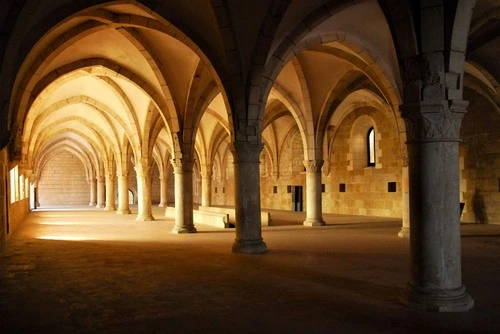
(3, 198)
(11, 214)
(366, 188)
(63, 181)
(480, 161)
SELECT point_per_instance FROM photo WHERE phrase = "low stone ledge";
(216, 219)
(265, 216)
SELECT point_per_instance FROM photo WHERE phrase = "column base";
(145, 218)
(453, 300)
(123, 212)
(92, 203)
(404, 233)
(314, 222)
(162, 205)
(249, 246)
(184, 229)
(100, 206)
(110, 208)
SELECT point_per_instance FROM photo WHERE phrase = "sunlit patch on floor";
(63, 237)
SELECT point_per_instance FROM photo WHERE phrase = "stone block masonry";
(63, 181)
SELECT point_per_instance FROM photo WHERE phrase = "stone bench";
(215, 219)
(265, 217)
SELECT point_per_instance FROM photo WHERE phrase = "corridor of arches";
(228, 113)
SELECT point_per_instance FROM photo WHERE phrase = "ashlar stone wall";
(63, 181)
(480, 161)
(355, 188)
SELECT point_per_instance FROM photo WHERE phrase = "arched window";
(370, 147)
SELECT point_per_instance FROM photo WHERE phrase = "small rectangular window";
(391, 187)
(275, 189)
(342, 187)
(223, 190)
(323, 188)
(216, 190)
(289, 189)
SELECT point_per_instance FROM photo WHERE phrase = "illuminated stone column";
(144, 172)
(163, 192)
(93, 192)
(405, 228)
(110, 192)
(183, 173)
(101, 199)
(123, 208)
(433, 167)
(314, 214)
(247, 198)
(206, 186)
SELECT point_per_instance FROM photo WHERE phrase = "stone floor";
(93, 271)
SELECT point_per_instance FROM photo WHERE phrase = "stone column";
(206, 186)
(144, 211)
(314, 214)
(183, 174)
(163, 192)
(435, 256)
(110, 192)
(123, 208)
(405, 198)
(93, 192)
(247, 198)
(101, 201)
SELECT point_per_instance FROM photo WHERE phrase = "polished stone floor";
(89, 271)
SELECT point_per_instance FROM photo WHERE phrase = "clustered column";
(163, 192)
(100, 192)
(247, 197)
(144, 172)
(206, 186)
(314, 214)
(183, 173)
(93, 192)
(123, 207)
(433, 142)
(110, 192)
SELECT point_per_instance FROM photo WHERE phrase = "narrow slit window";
(371, 146)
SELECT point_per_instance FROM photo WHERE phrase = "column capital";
(110, 176)
(434, 121)
(143, 170)
(246, 151)
(182, 165)
(100, 178)
(123, 174)
(206, 174)
(313, 166)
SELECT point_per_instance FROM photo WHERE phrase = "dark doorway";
(296, 198)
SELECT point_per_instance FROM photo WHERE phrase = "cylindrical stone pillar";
(163, 192)
(123, 207)
(433, 141)
(405, 219)
(144, 211)
(183, 174)
(93, 192)
(110, 192)
(247, 198)
(314, 214)
(101, 199)
(206, 187)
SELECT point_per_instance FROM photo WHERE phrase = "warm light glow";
(63, 237)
